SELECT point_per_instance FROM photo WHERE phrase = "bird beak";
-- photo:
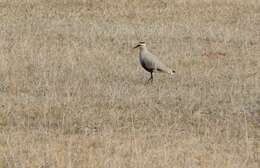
(137, 46)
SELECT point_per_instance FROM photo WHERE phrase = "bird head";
(140, 44)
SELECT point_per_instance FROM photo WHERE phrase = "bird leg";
(151, 78)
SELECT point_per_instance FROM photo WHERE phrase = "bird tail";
(166, 70)
(172, 72)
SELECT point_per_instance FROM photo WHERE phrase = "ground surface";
(72, 91)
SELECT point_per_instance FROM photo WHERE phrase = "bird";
(150, 62)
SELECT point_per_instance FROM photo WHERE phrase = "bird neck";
(143, 49)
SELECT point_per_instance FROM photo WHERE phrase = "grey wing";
(157, 64)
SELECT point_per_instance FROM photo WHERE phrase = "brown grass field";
(73, 94)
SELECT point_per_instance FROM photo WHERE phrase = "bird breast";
(147, 62)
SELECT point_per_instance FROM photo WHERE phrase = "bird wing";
(157, 64)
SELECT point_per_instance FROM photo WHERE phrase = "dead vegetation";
(72, 92)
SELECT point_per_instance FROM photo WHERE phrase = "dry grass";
(72, 92)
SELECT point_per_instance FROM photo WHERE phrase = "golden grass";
(72, 91)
